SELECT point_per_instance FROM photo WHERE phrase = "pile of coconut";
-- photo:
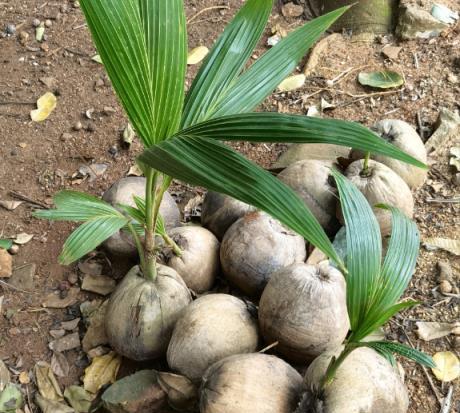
(248, 308)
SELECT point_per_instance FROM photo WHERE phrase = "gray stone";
(416, 23)
(122, 192)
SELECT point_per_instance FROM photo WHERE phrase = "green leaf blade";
(364, 250)
(89, 236)
(6, 244)
(262, 78)
(225, 61)
(211, 164)
(277, 127)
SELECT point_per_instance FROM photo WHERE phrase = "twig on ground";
(204, 11)
(7, 285)
(25, 198)
(443, 200)
(420, 125)
(445, 407)
(11, 102)
(264, 350)
(416, 61)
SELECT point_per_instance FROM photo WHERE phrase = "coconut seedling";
(143, 46)
(373, 293)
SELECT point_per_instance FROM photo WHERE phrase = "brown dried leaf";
(182, 393)
(197, 54)
(59, 364)
(4, 375)
(10, 205)
(292, 83)
(45, 105)
(52, 406)
(432, 330)
(47, 383)
(103, 370)
(447, 244)
(54, 301)
(23, 238)
(448, 366)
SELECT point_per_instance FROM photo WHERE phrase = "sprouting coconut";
(381, 185)
(141, 313)
(250, 383)
(404, 136)
(213, 327)
(219, 211)
(256, 246)
(122, 192)
(303, 308)
(311, 180)
(198, 262)
(364, 382)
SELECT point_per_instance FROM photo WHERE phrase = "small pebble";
(91, 127)
(113, 150)
(108, 110)
(64, 8)
(36, 22)
(78, 126)
(14, 249)
(23, 37)
(72, 278)
(66, 136)
(10, 29)
(48, 23)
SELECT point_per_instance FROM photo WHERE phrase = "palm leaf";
(89, 236)
(77, 206)
(209, 163)
(226, 60)
(262, 78)
(277, 127)
(364, 250)
(403, 350)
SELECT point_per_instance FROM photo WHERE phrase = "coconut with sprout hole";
(256, 246)
(381, 185)
(364, 383)
(141, 313)
(250, 383)
(303, 308)
(310, 179)
(199, 263)
(405, 137)
(123, 191)
(213, 327)
(220, 211)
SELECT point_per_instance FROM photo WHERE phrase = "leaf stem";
(176, 249)
(149, 268)
(335, 364)
(365, 171)
(139, 246)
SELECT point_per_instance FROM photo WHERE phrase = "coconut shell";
(310, 179)
(122, 192)
(251, 383)
(213, 327)
(141, 314)
(304, 308)
(365, 382)
(220, 211)
(402, 135)
(199, 263)
(381, 186)
(256, 246)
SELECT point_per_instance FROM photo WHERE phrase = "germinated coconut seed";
(365, 382)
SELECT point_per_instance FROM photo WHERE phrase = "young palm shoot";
(373, 293)
(143, 46)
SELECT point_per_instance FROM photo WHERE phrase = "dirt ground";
(38, 159)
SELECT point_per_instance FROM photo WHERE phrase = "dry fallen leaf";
(78, 398)
(23, 238)
(59, 364)
(103, 370)
(24, 377)
(448, 366)
(182, 393)
(54, 301)
(11, 399)
(135, 170)
(196, 55)
(45, 105)
(97, 58)
(4, 375)
(455, 157)
(52, 406)
(447, 244)
(427, 330)
(46, 382)
(292, 83)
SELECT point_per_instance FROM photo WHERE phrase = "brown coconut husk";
(141, 314)
(310, 179)
(381, 186)
(199, 262)
(256, 246)
(404, 136)
(303, 308)
(213, 327)
(251, 383)
(365, 382)
(220, 211)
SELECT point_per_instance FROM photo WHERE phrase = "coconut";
(220, 211)
(403, 136)
(199, 262)
(304, 309)
(256, 246)
(310, 179)
(213, 327)
(141, 313)
(381, 185)
(255, 383)
(364, 382)
(122, 192)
